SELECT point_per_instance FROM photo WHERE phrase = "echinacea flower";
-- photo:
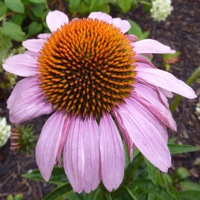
(95, 80)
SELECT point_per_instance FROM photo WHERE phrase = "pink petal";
(44, 36)
(101, 16)
(166, 81)
(123, 25)
(49, 142)
(143, 60)
(56, 19)
(132, 37)
(34, 45)
(81, 155)
(145, 135)
(112, 153)
(27, 101)
(151, 46)
(34, 55)
(151, 100)
(21, 64)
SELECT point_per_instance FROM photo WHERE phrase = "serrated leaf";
(13, 31)
(37, 1)
(57, 177)
(15, 5)
(177, 148)
(151, 188)
(125, 5)
(59, 192)
(34, 28)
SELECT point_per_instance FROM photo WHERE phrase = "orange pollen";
(86, 68)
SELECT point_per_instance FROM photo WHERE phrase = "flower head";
(161, 9)
(4, 131)
(95, 80)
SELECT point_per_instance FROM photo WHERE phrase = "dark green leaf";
(15, 5)
(190, 195)
(151, 188)
(17, 18)
(13, 31)
(3, 9)
(177, 148)
(123, 193)
(154, 173)
(144, 35)
(125, 5)
(57, 177)
(34, 28)
(59, 192)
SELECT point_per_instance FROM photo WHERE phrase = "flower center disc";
(86, 67)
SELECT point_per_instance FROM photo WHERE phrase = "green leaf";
(182, 173)
(59, 192)
(5, 45)
(177, 148)
(15, 5)
(190, 195)
(189, 185)
(125, 5)
(144, 35)
(3, 9)
(13, 31)
(57, 177)
(123, 193)
(34, 28)
(154, 173)
(37, 1)
(74, 5)
(151, 188)
(17, 19)
(135, 28)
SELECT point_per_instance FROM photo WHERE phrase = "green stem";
(190, 80)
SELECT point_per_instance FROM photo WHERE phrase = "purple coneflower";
(96, 82)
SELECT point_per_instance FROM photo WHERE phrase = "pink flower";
(95, 80)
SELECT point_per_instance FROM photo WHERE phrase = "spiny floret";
(86, 67)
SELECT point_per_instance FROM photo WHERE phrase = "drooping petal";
(27, 101)
(33, 55)
(81, 155)
(132, 37)
(34, 45)
(166, 81)
(49, 142)
(145, 135)
(55, 19)
(151, 100)
(21, 64)
(142, 59)
(151, 46)
(112, 153)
